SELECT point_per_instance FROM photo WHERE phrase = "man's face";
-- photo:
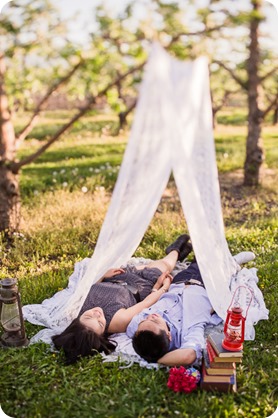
(155, 323)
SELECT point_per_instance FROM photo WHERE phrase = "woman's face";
(94, 320)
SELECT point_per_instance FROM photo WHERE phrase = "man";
(171, 332)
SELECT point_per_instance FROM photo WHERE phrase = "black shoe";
(185, 250)
(178, 245)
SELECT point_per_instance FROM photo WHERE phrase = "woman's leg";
(178, 250)
(164, 264)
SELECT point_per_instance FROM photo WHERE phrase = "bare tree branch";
(223, 101)
(216, 108)
(271, 105)
(241, 82)
(28, 128)
(202, 32)
(268, 74)
(123, 115)
(16, 166)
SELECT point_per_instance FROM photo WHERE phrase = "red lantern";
(235, 324)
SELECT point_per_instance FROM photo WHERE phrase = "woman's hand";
(113, 272)
(165, 279)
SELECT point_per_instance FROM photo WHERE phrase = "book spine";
(211, 352)
(219, 387)
(217, 362)
(221, 365)
(213, 344)
(206, 359)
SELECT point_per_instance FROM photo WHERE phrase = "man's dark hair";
(151, 346)
(77, 341)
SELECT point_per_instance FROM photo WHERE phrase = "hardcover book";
(217, 378)
(218, 386)
(228, 371)
(215, 340)
(216, 361)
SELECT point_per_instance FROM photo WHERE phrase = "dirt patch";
(234, 180)
(239, 203)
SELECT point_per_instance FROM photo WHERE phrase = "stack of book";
(219, 365)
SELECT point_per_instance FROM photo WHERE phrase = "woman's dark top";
(112, 297)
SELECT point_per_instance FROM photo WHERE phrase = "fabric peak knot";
(182, 379)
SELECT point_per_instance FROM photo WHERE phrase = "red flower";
(182, 379)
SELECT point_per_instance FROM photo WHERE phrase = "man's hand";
(113, 272)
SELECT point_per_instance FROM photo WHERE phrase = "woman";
(112, 303)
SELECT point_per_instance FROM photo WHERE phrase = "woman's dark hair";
(151, 346)
(77, 341)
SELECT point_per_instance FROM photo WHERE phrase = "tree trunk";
(254, 149)
(9, 186)
(275, 116)
(9, 201)
(214, 118)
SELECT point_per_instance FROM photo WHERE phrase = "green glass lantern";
(11, 318)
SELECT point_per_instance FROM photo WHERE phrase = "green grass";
(72, 168)
(90, 159)
(235, 117)
(97, 390)
(51, 121)
(230, 148)
(60, 226)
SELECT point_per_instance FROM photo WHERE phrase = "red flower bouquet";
(183, 380)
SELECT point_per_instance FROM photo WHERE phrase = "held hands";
(113, 272)
(167, 281)
(164, 281)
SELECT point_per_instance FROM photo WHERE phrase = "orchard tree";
(25, 29)
(256, 114)
(231, 37)
(252, 76)
(28, 30)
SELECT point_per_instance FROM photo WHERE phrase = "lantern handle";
(252, 294)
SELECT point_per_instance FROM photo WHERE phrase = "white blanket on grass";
(36, 314)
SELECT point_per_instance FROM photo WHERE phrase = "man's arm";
(179, 357)
(191, 348)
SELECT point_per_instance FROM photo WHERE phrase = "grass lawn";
(65, 195)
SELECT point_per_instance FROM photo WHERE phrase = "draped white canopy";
(172, 131)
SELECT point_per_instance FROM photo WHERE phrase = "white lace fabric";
(172, 131)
